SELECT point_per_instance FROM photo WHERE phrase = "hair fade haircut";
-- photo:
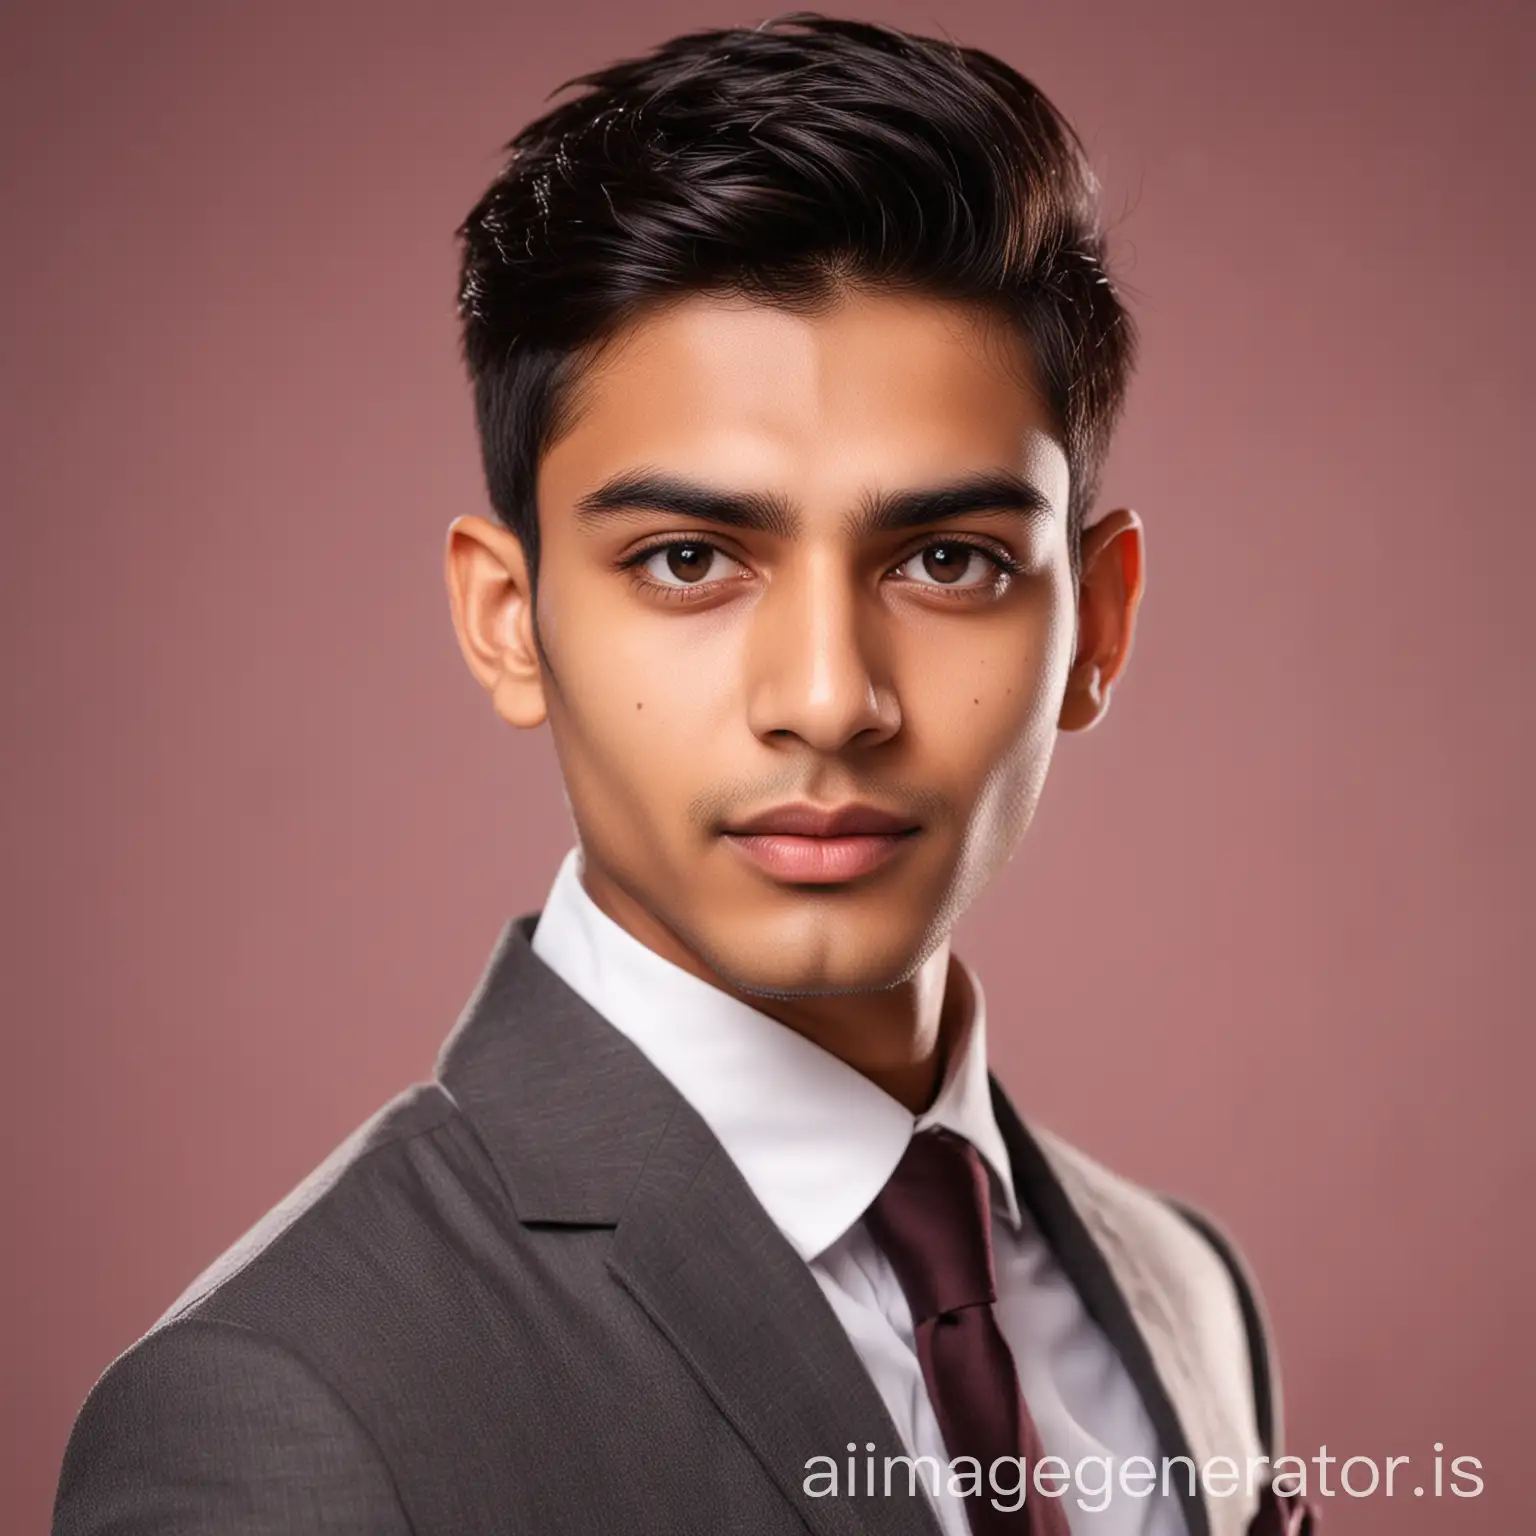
(786, 164)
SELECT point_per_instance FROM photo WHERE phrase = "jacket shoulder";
(1256, 1326)
(245, 1406)
(353, 1197)
(208, 1426)
(1189, 1278)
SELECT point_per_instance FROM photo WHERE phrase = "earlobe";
(490, 599)
(1085, 699)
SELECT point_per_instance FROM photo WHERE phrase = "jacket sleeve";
(208, 1427)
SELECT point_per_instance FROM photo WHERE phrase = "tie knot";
(933, 1220)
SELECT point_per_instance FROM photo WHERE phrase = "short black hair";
(785, 163)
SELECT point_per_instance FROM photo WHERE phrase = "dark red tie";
(933, 1220)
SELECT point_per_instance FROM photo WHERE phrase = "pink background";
(260, 829)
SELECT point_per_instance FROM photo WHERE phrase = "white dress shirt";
(815, 1140)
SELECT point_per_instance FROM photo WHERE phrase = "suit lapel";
(699, 1254)
(1065, 1228)
(584, 1130)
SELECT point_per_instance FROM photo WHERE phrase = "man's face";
(812, 562)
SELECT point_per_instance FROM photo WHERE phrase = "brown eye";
(689, 562)
(947, 562)
(685, 563)
(952, 565)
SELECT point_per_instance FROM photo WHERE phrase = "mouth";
(814, 845)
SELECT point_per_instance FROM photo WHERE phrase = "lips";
(803, 820)
(815, 845)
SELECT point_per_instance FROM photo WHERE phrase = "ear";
(492, 602)
(1109, 595)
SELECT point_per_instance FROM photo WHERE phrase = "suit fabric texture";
(535, 1295)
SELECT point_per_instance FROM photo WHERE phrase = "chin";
(818, 954)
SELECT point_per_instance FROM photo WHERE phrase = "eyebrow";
(639, 491)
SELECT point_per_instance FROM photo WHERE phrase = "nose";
(818, 668)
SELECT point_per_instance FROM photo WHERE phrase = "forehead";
(875, 390)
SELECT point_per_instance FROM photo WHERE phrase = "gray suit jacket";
(535, 1295)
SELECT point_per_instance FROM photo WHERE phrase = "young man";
(795, 361)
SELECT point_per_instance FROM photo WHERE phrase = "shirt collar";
(814, 1139)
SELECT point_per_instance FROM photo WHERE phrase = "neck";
(899, 1038)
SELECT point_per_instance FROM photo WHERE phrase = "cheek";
(989, 699)
(994, 723)
(638, 696)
